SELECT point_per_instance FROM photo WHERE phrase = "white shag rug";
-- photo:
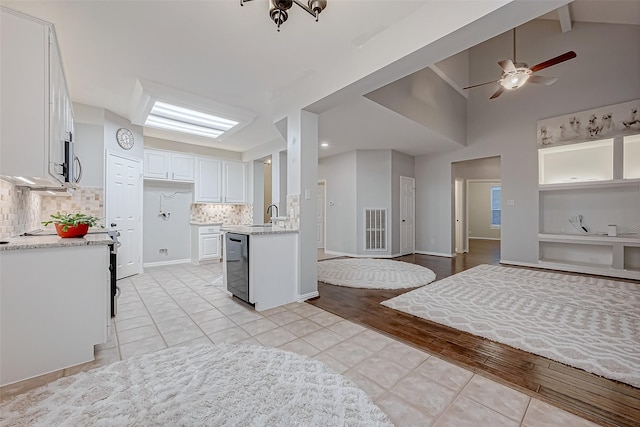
(204, 385)
(585, 322)
(373, 273)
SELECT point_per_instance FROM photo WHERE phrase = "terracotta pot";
(78, 231)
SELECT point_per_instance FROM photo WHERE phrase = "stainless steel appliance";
(237, 264)
(113, 278)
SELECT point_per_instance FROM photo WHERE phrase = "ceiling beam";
(564, 15)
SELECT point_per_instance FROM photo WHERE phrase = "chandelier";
(278, 9)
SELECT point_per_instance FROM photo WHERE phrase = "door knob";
(113, 224)
(404, 220)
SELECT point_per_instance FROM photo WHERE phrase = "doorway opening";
(477, 213)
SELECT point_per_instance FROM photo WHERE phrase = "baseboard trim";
(161, 263)
(484, 238)
(436, 254)
(362, 255)
(304, 297)
(520, 264)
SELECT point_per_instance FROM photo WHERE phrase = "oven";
(113, 277)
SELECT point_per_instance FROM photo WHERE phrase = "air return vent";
(375, 229)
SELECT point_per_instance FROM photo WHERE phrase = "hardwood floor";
(600, 400)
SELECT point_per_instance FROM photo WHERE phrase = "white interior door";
(320, 211)
(124, 211)
(407, 215)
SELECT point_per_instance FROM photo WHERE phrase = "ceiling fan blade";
(481, 84)
(497, 93)
(553, 61)
(507, 66)
(543, 80)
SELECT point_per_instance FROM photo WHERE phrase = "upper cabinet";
(165, 165)
(36, 111)
(208, 180)
(216, 181)
(235, 182)
(220, 181)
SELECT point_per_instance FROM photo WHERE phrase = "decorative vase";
(77, 231)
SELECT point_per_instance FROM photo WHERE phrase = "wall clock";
(125, 138)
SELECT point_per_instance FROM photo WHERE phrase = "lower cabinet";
(206, 243)
(54, 307)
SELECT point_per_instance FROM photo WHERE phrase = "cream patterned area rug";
(585, 322)
(373, 273)
(196, 386)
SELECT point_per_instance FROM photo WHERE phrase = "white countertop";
(255, 230)
(205, 224)
(53, 241)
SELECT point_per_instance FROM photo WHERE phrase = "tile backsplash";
(19, 209)
(226, 214)
(23, 210)
(86, 200)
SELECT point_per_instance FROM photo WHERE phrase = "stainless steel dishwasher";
(237, 254)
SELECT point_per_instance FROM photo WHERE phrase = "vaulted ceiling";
(234, 55)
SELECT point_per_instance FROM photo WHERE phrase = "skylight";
(180, 119)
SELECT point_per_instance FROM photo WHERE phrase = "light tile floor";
(187, 305)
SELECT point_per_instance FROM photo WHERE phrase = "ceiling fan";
(516, 74)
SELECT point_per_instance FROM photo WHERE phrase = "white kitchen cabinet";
(220, 181)
(54, 307)
(36, 110)
(234, 182)
(166, 165)
(206, 243)
(208, 186)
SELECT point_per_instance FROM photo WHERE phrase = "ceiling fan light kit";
(279, 9)
(515, 74)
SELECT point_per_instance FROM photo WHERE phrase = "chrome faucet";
(269, 210)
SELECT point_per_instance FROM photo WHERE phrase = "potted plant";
(72, 225)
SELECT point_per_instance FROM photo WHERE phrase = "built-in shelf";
(585, 162)
(592, 185)
(631, 163)
(589, 184)
(577, 267)
(630, 240)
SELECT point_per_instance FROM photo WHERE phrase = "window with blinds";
(375, 229)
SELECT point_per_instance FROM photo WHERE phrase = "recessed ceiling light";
(324, 144)
(180, 119)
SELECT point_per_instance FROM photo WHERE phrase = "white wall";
(340, 175)
(401, 165)
(173, 233)
(605, 72)
(479, 197)
(164, 144)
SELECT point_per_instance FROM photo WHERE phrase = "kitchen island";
(272, 264)
(54, 303)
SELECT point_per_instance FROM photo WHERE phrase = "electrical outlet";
(164, 251)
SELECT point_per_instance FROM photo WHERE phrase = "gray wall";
(605, 72)
(113, 122)
(89, 148)
(401, 165)
(426, 99)
(340, 175)
(173, 233)
(356, 181)
(373, 173)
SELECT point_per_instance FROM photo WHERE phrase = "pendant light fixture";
(279, 9)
